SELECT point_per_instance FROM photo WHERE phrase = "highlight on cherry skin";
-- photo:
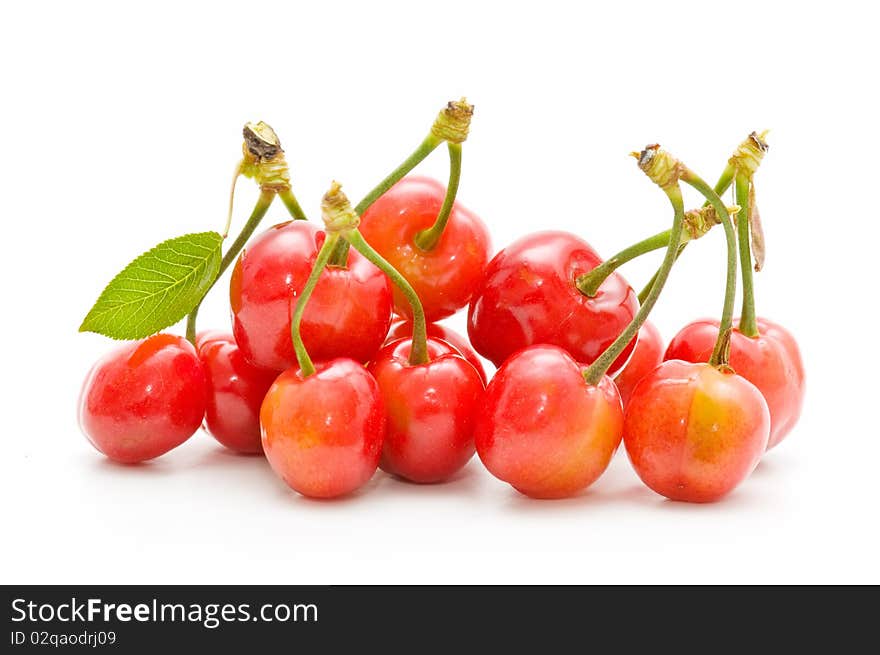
(646, 356)
(529, 296)
(543, 429)
(236, 389)
(322, 433)
(693, 432)
(348, 314)
(444, 277)
(771, 361)
(402, 328)
(430, 410)
(143, 398)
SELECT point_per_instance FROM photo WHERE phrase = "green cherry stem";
(429, 238)
(593, 375)
(748, 323)
(722, 185)
(452, 126)
(696, 224)
(721, 350)
(293, 208)
(263, 161)
(302, 355)
(589, 283)
(260, 208)
(419, 353)
(724, 180)
(425, 148)
(746, 158)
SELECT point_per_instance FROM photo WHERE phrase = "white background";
(121, 127)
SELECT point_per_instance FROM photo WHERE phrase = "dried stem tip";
(663, 169)
(453, 122)
(336, 210)
(698, 222)
(748, 154)
(261, 141)
(263, 159)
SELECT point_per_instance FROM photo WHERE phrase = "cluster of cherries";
(336, 365)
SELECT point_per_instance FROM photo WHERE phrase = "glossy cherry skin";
(430, 410)
(693, 433)
(543, 429)
(444, 277)
(771, 361)
(347, 315)
(322, 434)
(403, 328)
(236, 389)
(143, 399)
(646, 356)
(528, 296)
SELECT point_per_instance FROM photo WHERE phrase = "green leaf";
(157, 289)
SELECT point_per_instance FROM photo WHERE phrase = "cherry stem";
(720, 352)
(260, 208)
(722, 185)
(425, 148)
(302, 355)
(419, 353)
(724, 180)
(594, 374)
(748, 323)
(589, 283)
(296, 212)
(429, 238)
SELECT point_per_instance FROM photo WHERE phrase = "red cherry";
(143, 399)
(693, 433)
(446, 276)
(236, 389)
(543, 429)
(528, 296)
(646, 356)
(347, 316)
(403, 328)
(771, 361)
(430, 410)
(322, 434)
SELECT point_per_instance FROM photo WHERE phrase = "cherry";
(143, 399)
(403, 328)
(646, 356)
(236, 389)
(430, 410)
(693, 432)
(529, 296)
(322, 433)
(348, 315)
(543, 428)
(771, 361)
(445, 275)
